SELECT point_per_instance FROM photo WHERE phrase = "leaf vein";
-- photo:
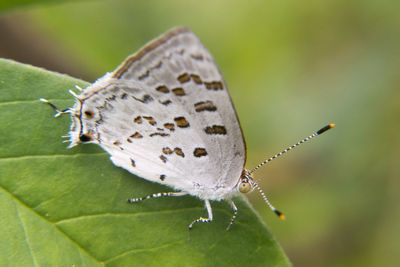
(49, 222)
(16, 102)
(52, 156)
(71, 219)
(34, 261)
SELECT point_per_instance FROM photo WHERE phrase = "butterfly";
(165, 114)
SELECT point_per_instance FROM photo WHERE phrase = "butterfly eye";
(244, 187)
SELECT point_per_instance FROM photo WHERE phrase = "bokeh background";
(292, 67)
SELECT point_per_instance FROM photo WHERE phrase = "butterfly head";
(246, 182)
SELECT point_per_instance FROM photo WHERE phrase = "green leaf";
(65, 207)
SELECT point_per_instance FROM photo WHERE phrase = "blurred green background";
(292, 67)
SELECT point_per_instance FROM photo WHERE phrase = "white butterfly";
(166, 115)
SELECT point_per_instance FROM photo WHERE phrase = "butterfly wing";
(166, 115)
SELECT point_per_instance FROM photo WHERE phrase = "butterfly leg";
(58, 112)
(235, 212)
(201, 219)
(157, 195)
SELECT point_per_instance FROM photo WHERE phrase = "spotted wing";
(166, 115)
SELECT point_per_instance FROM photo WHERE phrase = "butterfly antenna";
(277, 212)
(320, 131)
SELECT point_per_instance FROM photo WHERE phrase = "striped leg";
(157, 195)
(201, 219)
(58, 112)
(235, 212)
(68, 110)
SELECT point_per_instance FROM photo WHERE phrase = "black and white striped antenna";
(320, 131)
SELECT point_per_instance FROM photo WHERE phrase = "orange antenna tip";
(280, 214)
(326, 128)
